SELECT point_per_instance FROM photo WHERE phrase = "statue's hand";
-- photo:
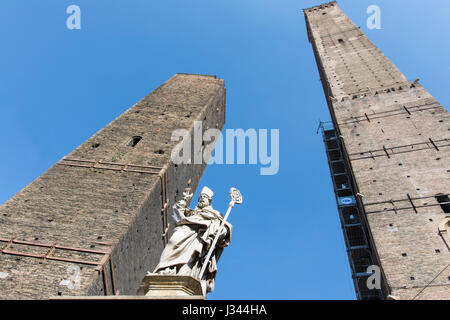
(223, 233)
(188, 212)
(180, 204)
(187, 195)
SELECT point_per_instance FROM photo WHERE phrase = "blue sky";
(58, 87)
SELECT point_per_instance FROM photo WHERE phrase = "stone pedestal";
(159, 286)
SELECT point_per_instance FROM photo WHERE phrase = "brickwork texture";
(117, 210)
(396, 137)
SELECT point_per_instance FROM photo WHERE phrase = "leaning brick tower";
(388, 151)
(97, 221)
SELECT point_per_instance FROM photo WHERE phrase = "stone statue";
(193, 237)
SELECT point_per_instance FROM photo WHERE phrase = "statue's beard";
(202, 204)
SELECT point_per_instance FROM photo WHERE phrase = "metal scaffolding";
(359, 252)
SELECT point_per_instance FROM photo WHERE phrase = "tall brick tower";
(97, 221)
(388, 151)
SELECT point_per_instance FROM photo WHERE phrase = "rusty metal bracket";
(406, 109)
(104, 165)
(387, 154)
(121, 167)
(50, 251)
(49, 255)
(165, 204)
(412, 203)
(393, 206)
(391, 113)
(408, 199)
(434, 145)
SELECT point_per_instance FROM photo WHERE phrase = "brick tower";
(388, 151)
(97, 221)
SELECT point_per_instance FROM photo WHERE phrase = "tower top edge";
(322, 6)
(197, 75)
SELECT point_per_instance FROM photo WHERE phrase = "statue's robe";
(190, 243)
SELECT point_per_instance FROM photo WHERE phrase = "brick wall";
(396, 136)
(98, 209)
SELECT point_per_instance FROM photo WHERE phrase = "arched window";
(134, 141)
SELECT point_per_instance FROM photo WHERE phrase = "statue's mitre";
(207, 191)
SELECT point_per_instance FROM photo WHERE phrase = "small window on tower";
(134, 141)
(444, 202)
